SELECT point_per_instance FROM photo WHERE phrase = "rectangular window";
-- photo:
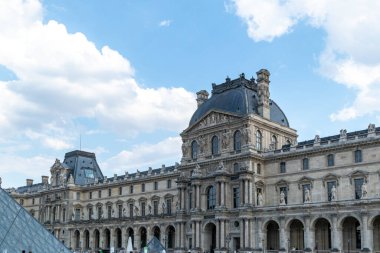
(305, 164)
(330, 160)
(109, 192)
(358, 156)
(33, 201)
(77, 214)
(285, 191)
(64, 215)
(155, 207)
(120, 190)
(236, 192)
(109, 212)
(282, 167)
(168, 206)
(142, 187)
(169, 184)
(78, 195)
(258, 168)
(142, 208)
(90, 213)
(131, 210)
(306, 192)
(120, 211)
(131, 189)
(99, 194)
(155, 186)
(358, 187)
(330, 185)
(90, 195)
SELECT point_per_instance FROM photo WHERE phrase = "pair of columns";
(246, 188)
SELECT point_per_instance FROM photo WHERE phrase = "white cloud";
(351, 55)
(166, 22)
(63, 77)
(136, 158)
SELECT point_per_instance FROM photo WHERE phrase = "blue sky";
(123, 74)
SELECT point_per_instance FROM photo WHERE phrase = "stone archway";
(86, 244)
(170, 235)
(296, 231)
(273, 236)
(322, 234)
(76, 239)
(107, 239)
(96, 239)
(157, 232)
(143, 237)
(376, 233)
(210, 237)
(118, 237)
(351, 234)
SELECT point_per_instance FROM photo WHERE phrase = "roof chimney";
(45, 179)
(263, 93)
(202, 96)
(29, 182)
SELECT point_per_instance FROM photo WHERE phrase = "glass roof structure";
(20, 232)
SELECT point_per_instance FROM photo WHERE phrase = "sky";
(119, 77)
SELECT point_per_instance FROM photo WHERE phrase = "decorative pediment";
(77, 205)
(130, 201)
(305, 180)
(99, 204)
(119, 202)
(212, 118)
(142, 199)
(168, 196)
(155, 197)
(358, 174)
(109, 203)
(260, 184)
(330, 177)
(89, 205)
(282, 183)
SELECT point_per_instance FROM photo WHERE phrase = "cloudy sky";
(122, 75)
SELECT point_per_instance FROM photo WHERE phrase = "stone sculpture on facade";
(282, 198)
(225, 139)
(163, 207)
(371, 128)
(260, 199)
(150, 209)
(364, 190)
(307, 195)
(185, 148)
(333, 193)
(317, 139)
(71, 179)
(246, 135)
(136, 210)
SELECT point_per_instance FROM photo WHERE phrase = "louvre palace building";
(243, 184)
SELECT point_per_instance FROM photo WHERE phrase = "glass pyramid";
(154, 246)
(20, 232)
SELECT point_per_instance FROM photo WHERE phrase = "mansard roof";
(238, 97)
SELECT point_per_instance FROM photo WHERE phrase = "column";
(336, 234)
(242, 234)
(177, 234)
(283, 236)
(217, 234)
(194, 196)
(365, 232)
(183, 202)
(199, 234)
(199, 196)
(246, 233)
(222, 234)
(112, 238)
(81, 240)
(194, 237)
(246, 192)
(124, 238)
(218, 194)
(137, 240)
(308, 238)
(223, 194)
(250, 192)
(241, 193)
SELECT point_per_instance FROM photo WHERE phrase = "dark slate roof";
(79, 161)
(31, 188)
(238, 97)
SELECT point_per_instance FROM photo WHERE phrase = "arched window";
(274, 142)
(259, 140)
(211, 197)
(194, 150)
(237, 141)
(215, 145)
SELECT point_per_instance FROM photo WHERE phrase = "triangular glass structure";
(20, 232)
(153, 246)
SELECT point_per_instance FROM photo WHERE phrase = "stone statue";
(333, 193)
(202, 144)
(185, 148)
(136, 211)
(113, 213)
(225, 139)
(282, 198)
(317, 139)
(163, 207)
(260, 199)
(71, 179)
(197, 171)
(177, 207)
(247, 135)
(221, 165)
(371, 128)
(150, 209)
(307, 196)
(364, 190)
(124, 212)
(343, 134)
(82, 216)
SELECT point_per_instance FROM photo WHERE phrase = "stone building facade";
(244, 183)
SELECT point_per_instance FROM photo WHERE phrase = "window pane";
(358, 187)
